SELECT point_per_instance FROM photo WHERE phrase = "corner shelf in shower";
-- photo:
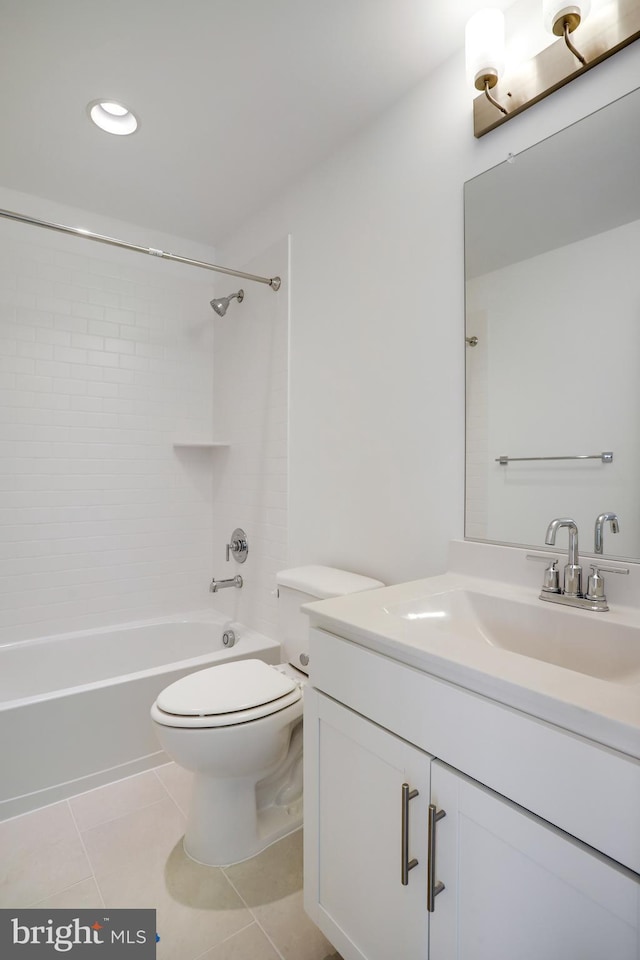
(200, 444)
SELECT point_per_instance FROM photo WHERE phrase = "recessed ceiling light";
(113, 117)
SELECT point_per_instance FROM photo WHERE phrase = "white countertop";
(606, 711)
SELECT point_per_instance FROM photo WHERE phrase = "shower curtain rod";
(273, 282)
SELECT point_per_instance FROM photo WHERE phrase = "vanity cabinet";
(514, 884)
(362, 904)
(517, 887)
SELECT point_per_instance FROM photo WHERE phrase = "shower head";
(221, 305)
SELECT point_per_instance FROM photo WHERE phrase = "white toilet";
(238, 727)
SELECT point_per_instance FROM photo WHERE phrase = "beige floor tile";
(249, 944)
(82, 896)
(288, 926)
(196, 906)
(271, 885)
(177, 782)
(145, 836)
(40, 854)
(134, 842)
(116, 799)
(272, 874)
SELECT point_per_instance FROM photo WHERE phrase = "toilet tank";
(303, 585)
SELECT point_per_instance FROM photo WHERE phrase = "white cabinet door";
(518, 889)
(354, 776)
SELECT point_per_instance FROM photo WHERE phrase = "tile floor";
(121, 846)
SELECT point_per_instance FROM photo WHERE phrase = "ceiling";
(237, 98)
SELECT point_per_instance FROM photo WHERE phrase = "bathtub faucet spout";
(221, 584)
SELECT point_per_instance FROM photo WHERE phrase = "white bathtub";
(74, 708)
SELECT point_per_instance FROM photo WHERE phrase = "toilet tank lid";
(325, 582)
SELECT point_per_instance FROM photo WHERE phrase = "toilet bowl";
(238, 728)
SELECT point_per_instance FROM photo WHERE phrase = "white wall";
(377, 318)
(106, 358)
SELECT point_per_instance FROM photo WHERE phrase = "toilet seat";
(229, 693)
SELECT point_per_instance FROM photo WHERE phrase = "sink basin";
(584, 643)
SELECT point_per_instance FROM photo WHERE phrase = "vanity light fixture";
(612, 25)
(113, 117)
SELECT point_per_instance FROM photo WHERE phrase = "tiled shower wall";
(106, 359)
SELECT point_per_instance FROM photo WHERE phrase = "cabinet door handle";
(406, 864)
(433, 887)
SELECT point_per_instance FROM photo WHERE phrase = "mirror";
(552, 270)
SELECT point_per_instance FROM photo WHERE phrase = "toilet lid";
(227, 688)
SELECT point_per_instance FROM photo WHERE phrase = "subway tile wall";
(106, 359)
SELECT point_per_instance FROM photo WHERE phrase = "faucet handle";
(595, 582)
(597, 568)
(551, 580)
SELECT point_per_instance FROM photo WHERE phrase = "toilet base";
(233, 819)
(273, 825)
(225, 826)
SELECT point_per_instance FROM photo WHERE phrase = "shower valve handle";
(238, 546)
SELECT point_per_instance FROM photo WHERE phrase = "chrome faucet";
(612, 518)
(572, 571)
(216, 585)
(571, 594)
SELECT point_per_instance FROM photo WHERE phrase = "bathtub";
(74, 708)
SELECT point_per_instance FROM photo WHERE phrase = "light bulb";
(556, 13)
(484, 47)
